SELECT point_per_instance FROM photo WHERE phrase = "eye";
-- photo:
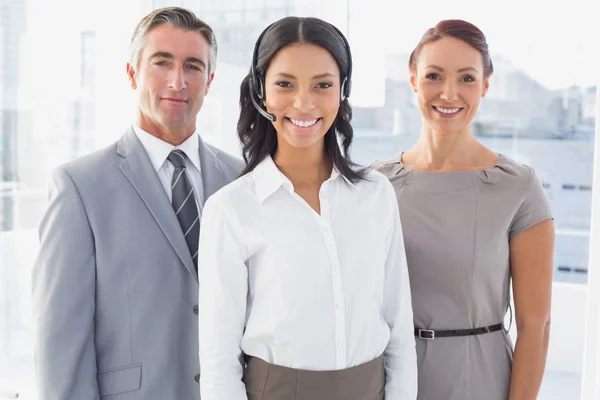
(161, 63)
(194, 67)
(433, 76)
(283, 84)
(324, 85)
(468, 78)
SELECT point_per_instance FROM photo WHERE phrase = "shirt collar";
(268, 178)
(158, 150)
(335, 174)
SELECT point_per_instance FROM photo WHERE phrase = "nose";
(177, 79)
(303, 100)
(449, 92)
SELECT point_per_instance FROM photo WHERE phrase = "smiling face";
(171, 80)
(302, 87)
(449, 81)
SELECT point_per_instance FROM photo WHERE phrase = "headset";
(257, 87)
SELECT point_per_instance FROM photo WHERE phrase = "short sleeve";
(534, 209)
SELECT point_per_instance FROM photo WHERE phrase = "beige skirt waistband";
(265, 381)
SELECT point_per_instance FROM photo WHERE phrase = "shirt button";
(338, 344)
(197, 378)
(333, 266)
(338, 305)
(196, 309)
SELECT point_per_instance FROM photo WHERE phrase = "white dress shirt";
(297, 289)
(158, 150)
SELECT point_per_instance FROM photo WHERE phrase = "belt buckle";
(428, 332)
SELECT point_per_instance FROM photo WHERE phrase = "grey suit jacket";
(115, 292)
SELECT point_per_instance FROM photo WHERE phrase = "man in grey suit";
(115, 287)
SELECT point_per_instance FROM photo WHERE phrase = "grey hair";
(176, 17)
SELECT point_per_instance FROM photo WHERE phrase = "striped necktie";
(184, 204)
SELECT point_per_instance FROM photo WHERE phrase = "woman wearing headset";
(302, 272)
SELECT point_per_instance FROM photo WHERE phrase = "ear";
(131, 76)
(413, 81)
(210, 79)
(486, 86)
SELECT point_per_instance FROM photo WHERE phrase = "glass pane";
(63, 93)
(540, 110)
(57, 73)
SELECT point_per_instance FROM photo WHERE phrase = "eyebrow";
(164, 54)
(318, 76)
(465, 69)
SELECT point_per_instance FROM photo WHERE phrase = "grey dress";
(457, 227)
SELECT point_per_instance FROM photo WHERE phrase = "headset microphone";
(257, 88)
(262, 111)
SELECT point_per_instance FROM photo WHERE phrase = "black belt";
(429, 334)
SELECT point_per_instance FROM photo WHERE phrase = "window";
(63, 93)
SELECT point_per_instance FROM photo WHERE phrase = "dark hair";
(257, 134)
(458, 29)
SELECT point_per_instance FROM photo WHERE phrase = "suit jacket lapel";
(212, 169)
(141, 174)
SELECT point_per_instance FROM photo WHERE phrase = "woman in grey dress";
(472, 221)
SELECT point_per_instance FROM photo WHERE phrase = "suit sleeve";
(63, 298)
